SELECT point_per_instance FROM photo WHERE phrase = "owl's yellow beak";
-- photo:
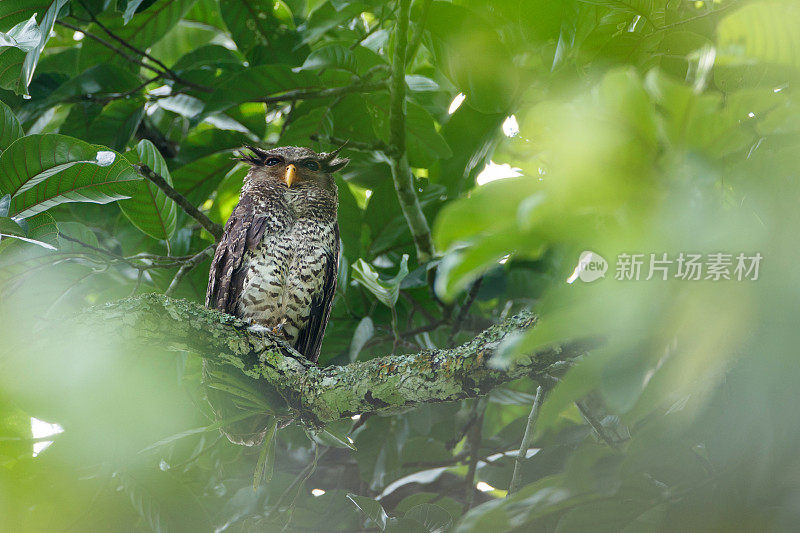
(291, 175)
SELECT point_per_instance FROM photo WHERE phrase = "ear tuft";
(337, 164)
(256, 158)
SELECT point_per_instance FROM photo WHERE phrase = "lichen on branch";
(319, 395)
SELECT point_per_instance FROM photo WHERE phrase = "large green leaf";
(425, 145)
(40, 171)
(764, 30)
(10, 128)
(148, 207)
(258, 82)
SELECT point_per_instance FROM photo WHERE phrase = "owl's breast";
(285, 274)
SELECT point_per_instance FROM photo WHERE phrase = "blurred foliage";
(638, 127)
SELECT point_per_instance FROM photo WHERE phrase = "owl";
(277, 262)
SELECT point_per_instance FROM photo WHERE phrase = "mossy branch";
(318, 395)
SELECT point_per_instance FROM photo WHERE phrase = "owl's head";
(296, 167)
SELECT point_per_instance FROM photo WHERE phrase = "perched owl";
(277, 261)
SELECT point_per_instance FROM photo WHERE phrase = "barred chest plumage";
(284, 274)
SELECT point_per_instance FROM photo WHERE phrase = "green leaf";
(331, 56)
(364, 332)
(425, 145)
(255, 83)
(9, 228)
(26, 42)
(130, 10)
(435, 519)
(209, 56)
(112, 125)
(5, 205)
(43, 227)
(266, 460)
(10, 128)
(40, 171)
(251, 23)
(163, 501)
(100, 79)
(371, 508)
(387, 291)
(25, 36)
(199, 178)
(77, 232)
(764, 30)
(148, 207)
(329, 15)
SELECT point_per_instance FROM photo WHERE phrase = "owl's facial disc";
(290, 176)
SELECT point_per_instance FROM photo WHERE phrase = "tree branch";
(401, 172)
(305, 391)
(212, 227)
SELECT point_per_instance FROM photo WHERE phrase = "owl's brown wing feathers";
(309, 340)
(243, 231)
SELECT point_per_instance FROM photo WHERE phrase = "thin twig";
(122, 41)
(169, 73)
(527, 438)
(401, 172)
(103, 251)
(212, 227)
(188, 266)
(305, 94)
(110, 46)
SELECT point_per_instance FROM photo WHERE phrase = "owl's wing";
(243, 231)
(309, 340)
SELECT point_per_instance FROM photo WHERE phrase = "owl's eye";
(272, 161)
(311, 165)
